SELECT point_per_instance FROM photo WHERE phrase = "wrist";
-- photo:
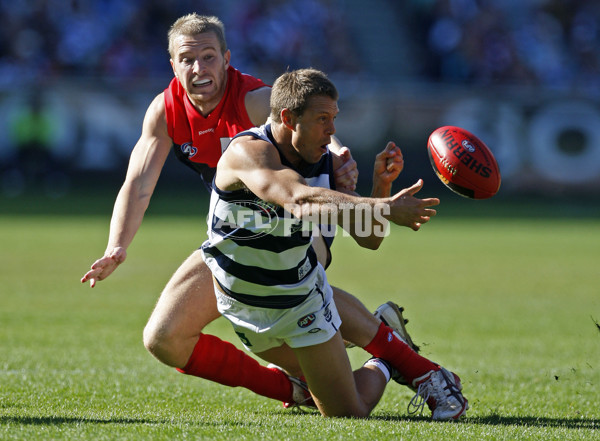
(381, 189)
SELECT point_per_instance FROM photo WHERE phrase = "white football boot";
(441, 391)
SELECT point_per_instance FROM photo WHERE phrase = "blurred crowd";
(42, 39)
(548, 42)
(553, 43)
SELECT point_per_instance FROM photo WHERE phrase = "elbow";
(370, 243)
(374, 246)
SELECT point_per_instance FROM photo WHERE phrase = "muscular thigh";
(332, 382)
(187, 304)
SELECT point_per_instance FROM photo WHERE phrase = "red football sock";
(220, 361)
(408, 363)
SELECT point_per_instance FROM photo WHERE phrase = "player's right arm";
(145, 164)
(256, 165)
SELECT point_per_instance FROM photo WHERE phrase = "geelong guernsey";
(258, 252)
(199, 141)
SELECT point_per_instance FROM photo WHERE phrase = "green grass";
(507, 299)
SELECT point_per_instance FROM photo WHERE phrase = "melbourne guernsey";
(199, 141)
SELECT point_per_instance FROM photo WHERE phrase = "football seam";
(448, 166)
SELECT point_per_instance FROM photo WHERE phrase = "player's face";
(314, 128)
(201, 69)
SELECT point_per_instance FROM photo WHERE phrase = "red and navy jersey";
(199, 141)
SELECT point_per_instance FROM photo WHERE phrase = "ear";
(173, 67)
(288, 118)
(227, 57)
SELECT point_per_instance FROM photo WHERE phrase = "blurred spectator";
(33, 164)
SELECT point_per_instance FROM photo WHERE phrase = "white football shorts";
(314, 321)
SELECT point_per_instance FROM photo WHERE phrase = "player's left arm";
(345, 169)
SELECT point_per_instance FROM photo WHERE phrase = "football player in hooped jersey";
(205, 105)
(286, 305)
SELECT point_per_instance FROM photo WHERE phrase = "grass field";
(506, 295)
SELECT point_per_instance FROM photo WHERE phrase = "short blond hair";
(194, 24)
(292, 90)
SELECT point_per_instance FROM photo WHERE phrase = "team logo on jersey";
(307, 320)
(245, 219)
(189, 150)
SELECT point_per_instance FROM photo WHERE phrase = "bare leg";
(338, 391)
(188, 304)
(185, 307)
(359, 325)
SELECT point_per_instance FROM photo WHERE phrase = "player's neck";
(283, 138)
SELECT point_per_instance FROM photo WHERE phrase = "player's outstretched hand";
(346, 176)
(103, 267)
(409, 211)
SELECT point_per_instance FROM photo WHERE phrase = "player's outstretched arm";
(146, 162)
(255, 164)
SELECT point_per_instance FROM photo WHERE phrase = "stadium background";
(523, 76)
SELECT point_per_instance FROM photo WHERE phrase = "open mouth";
(201, 83)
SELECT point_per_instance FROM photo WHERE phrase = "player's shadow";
(517, 421)
(490, 420)
(57, 421)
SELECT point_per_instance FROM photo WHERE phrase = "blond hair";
(194, 24)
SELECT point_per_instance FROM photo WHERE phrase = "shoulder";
(245, 156)
(248, 149)
(156, 109)
(257, 104)
(155, 120)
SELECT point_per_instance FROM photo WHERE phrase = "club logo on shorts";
(307, 320)
(327, 313)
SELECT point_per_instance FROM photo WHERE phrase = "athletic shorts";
(314, 321)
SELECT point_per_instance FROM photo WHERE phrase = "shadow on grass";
(529, 421)
(490, 420)
(518, 421)
(56, 421)
(59, 421)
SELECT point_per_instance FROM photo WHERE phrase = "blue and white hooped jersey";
(259, 253)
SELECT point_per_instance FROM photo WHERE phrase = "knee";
(155, 339)
(163, 342)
